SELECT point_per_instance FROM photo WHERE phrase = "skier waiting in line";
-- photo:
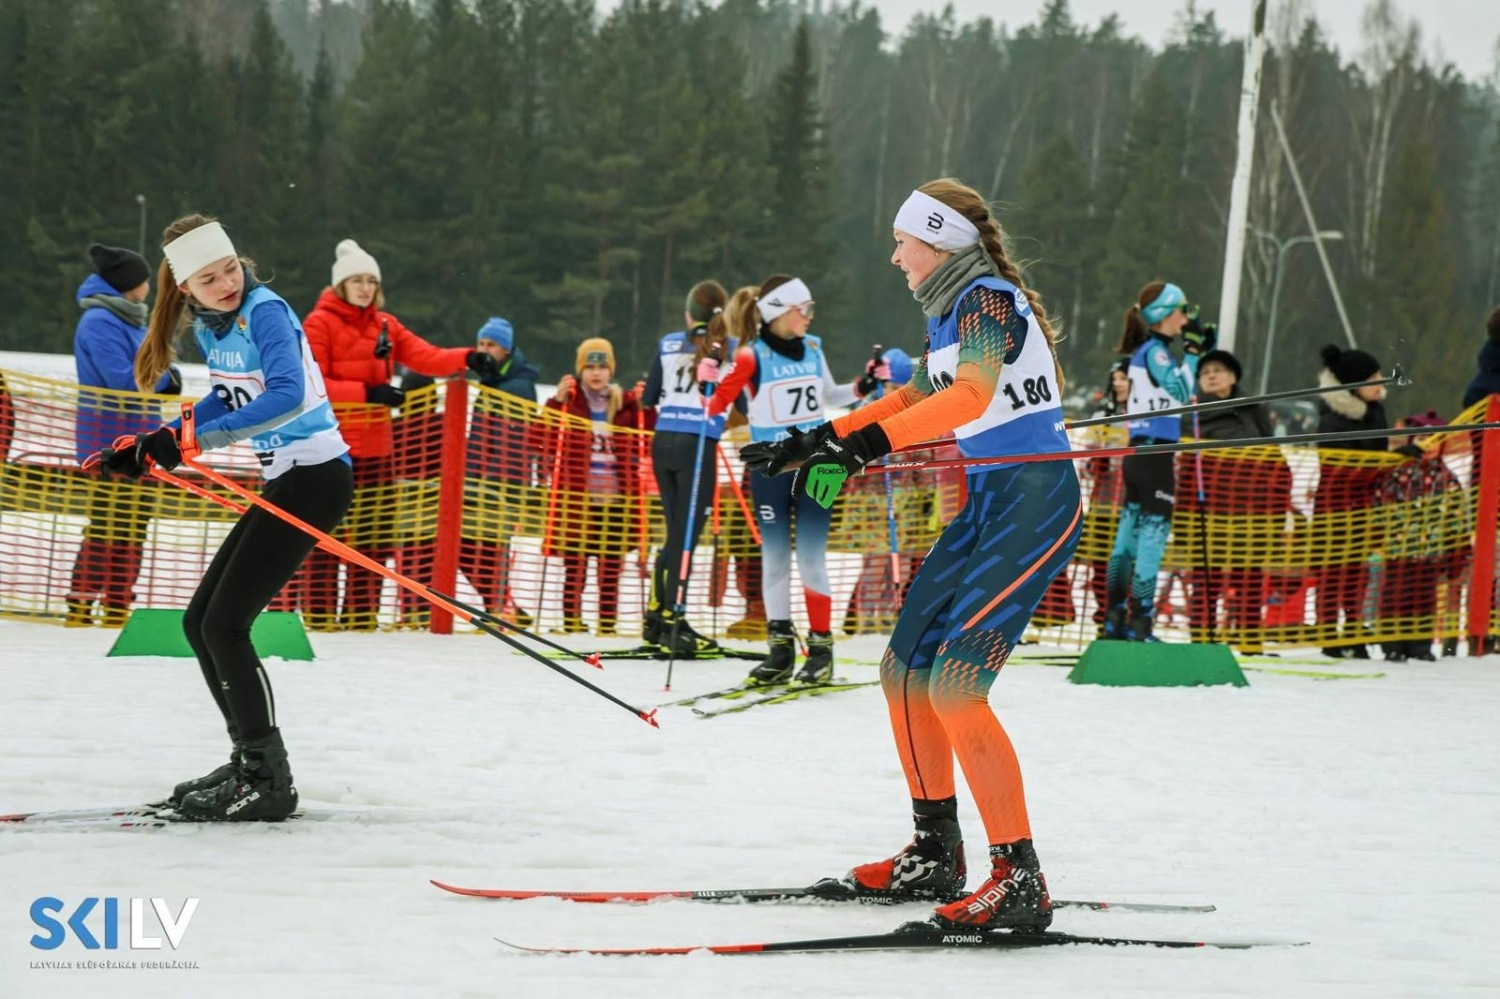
(1158, 381)
(786, 376)
(267, 390)
(990, 375)
(682, 424)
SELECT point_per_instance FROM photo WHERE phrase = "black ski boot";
(1115, 616)
(209, 780)
(818, 667)
(1013, 897)
(776, 667)
(1142, 621)
(261, 790)
(930, 867)
(651, 630)
(678, 637)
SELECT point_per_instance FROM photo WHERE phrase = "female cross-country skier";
(990, 375)
(266, 390)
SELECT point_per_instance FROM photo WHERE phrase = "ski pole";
(1397, 377)
(739, 495)
(680, 606)
(330, 544)
(1076, 454)
(890, 503)
(1210, 611)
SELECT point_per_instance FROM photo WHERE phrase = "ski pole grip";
(187, 437)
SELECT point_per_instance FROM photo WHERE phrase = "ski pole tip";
(1399, 373)
(649, 717)
(593, 660)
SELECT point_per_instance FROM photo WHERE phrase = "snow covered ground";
(1359, 815)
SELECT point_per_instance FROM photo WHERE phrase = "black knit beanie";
(123, 269)
(1350, 366)
(1225, 358)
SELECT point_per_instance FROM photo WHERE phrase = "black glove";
(117, 461)
(174, 381)
(1199, 338)
(384, 395)
(774, 457)
(161, 446)
(482, 364)
(824, 472)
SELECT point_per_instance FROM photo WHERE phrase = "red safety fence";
(491, 498)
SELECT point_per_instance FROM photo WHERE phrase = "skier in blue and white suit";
(267, 390)
(1158, 381)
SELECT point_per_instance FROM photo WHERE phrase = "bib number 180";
(1036, 389)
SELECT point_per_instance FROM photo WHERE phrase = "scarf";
(940, 291)
(134, 313)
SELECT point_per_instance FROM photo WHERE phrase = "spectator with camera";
(357, 345)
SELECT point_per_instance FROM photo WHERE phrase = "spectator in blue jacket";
(109, 333)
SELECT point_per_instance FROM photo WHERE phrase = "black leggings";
(672, 455)
(260, 554)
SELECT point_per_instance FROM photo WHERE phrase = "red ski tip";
(593, 660)
(649, 717)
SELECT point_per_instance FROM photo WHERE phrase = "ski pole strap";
(187, 437)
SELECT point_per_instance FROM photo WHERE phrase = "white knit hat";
(349, 259)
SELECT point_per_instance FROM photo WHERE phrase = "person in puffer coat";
(109, 333)
(358, 346)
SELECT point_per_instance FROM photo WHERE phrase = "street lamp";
(140, 199)
(1281, 247)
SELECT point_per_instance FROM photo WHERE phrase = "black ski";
(657, 652)
(789, 693)
(825, 891)
(915, 936)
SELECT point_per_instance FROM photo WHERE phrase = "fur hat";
(594, 350)
(124, 269)
(1225, 358)
(349, 259)
(1350, 366)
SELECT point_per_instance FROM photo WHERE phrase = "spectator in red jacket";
(357, 345)
(596, 475)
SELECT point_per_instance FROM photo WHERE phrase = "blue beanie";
(900, 364)
(498, 330)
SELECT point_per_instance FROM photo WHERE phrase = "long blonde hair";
(966, 201)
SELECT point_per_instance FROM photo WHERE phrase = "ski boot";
(1114, 627)
(261, 789)
(1141, 623)
(818, 667)
(679, 637)
(931, 866)
(212, 779)
(651, 629)
(776, 667)
(1013, 897)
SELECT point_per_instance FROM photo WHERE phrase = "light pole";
(140, 199)
(1281, 247)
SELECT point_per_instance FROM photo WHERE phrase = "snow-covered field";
(1359, 815)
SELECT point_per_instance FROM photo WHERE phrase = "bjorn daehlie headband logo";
(935, 222)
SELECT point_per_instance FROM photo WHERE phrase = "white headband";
(931, 221)
(780, 299)
(196, 249)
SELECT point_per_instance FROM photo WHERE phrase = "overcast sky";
(1465, 30)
